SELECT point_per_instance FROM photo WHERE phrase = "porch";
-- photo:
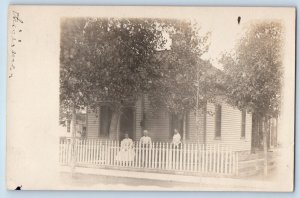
(160, 157)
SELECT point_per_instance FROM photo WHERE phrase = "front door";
(127, 123)
(176, 122)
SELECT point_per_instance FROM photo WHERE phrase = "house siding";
(158, 125)
(192, 135)
(92, 123)
(231, 123)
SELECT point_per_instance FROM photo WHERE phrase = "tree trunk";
(265, 145)
(73, 141)
(254, 133)
(114, 125)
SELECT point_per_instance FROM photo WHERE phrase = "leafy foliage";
(181, 70)
(117, 60)
(107, 59)
(254, 73)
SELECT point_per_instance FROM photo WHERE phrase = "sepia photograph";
(151, 98)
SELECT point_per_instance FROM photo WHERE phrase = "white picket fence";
(201, 159)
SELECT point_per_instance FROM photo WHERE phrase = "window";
(218, 120)
(105, 119)
(243, 127)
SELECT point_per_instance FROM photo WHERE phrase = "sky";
(223, 38)
(225, 30)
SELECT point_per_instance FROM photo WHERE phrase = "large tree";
(254, 72)
(107, 60)
(117, 60)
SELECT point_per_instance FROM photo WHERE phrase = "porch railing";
(213, 159)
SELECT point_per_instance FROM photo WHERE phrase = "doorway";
(127, 123)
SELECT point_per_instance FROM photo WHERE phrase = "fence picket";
(111, 151)
(192, 157)
(196, 157)
(160, 155)
(94, 151)
(106, 153)
(156, 153)
(230, 160)
(188, 157)
(139, 154)
(226, 160)
(214, 159)
(63, 147)
(173, 157)
(181, 156)
(83, 151)
(177, 157)
(152, 155)
(167, 155)
(206, 159)
(79, 154)
(65, 152)
(87, 151)
(184, 157)
(210, 159)
(222, 160)
(237, 163)
(90, 151)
